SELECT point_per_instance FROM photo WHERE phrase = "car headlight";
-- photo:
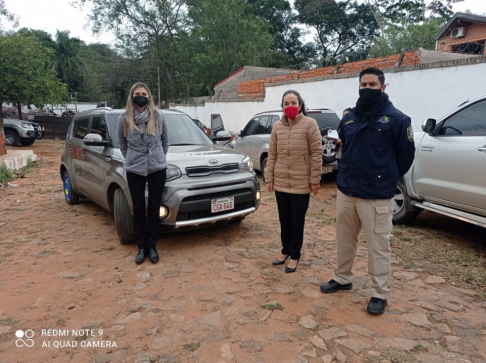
(173, 172)
(26, 126)
(247, 164)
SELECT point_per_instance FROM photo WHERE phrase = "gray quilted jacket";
(147, 155)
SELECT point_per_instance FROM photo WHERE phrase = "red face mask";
(291, 112)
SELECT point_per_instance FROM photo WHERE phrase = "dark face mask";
(368, 95)
(141, 101)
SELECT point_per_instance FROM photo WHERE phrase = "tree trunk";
(1, 117)
(19, 107)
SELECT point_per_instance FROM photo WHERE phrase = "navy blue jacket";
(377, 151)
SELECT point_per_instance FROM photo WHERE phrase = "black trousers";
(146, 219)
(291, 213)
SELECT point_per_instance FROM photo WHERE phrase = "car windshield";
(182, 130)
(325, 119)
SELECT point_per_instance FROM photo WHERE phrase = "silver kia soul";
(206, 184)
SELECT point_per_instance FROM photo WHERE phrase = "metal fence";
(55, 127)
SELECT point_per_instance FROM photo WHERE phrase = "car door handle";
(108, 158)
(266, 140)
(482, 149)
(84, 155)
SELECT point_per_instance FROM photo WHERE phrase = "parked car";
(448, 175)
(254, 139)
(206, 184)
(23, 132)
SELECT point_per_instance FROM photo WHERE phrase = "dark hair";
(376, 72)
(347, 109)
(299, 98)
(100, 104)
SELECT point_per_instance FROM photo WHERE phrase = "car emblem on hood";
(213, 161)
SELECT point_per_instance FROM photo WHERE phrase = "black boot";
(141, 256)
(333, 286)
(376, 306)
(154, 256)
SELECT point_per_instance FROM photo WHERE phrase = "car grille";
(207, 213)
(208, 170)
(36, 127)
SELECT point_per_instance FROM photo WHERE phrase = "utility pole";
(158, 83)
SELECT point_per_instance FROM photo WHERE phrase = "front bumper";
(35, 134)
(189, 199)
(329, 168)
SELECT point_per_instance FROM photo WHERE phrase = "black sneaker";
(376, 306)
(333, 286)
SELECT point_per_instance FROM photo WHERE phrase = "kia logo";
(213, 161)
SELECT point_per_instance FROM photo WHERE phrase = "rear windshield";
(325, 120)
(182, 130)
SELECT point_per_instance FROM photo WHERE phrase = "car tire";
(70, 195)
(11, 138)
(125, 228)
(330, 177)
(264, 165)
(27, 142)
(328, 148)
(402, 213)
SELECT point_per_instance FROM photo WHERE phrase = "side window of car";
(470, 121)
(272, 121)
(98, 126)
(80, 128)
(251, 127)
(262, 128)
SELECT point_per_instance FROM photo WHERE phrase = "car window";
(251, 127)
(80, 128)
(470, 121)
(272, 122)
(325, 119)
(262, 128)
(98, 126)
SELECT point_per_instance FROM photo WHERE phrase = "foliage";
(24, 77)
(343, 27)
(407, 37)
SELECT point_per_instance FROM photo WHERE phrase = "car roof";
(116, 111)
(310, 110)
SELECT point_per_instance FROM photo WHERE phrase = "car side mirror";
(429, 126)
(240, 133)
(222, 136)
(94, 140)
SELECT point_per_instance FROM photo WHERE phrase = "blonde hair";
(130, 120)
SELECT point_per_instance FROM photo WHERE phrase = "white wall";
(421, 94)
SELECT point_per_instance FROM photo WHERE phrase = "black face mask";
(368, 95)
(141, 101)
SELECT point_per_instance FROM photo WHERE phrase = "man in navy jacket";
(377, 149)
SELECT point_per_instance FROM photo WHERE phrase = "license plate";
(326, 169)
(222, 204)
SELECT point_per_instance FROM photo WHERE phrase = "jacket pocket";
(383, 216)
(380, 135)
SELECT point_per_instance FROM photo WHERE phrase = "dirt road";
(214, 296)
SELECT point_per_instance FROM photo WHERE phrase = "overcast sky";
(51, 15)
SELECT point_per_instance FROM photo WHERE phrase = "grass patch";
(399, 356)
(5, 174)
(8, 322)
(463, 263)
(272, 307)
(192, 346)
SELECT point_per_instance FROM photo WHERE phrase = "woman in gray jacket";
(144, 142)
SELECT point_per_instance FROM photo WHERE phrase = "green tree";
(66, 60)
(287, 47)
(343, 27)
(407, 37)
(223, 39)
(24, 77)
(7, 15)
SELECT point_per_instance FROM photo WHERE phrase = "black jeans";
(146, 219)
(291, 212)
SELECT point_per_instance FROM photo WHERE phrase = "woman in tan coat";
(293, 171)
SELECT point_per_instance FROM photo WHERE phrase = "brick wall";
(256, 88)
(474, 32)
(3, 149)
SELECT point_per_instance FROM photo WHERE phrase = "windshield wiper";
(181, 144)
